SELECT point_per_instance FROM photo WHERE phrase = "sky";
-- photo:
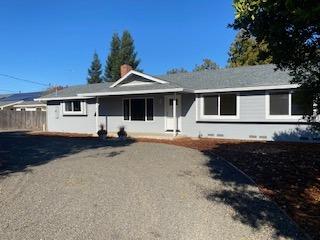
(52, 42)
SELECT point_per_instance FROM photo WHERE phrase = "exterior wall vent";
(210, 135)
(263, 137)
(252, 136)
(220, 135)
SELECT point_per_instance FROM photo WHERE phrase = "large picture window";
(288, 103)
(219, 106)
(74, 107)
(138, 109)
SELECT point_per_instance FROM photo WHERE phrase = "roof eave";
(170, 90)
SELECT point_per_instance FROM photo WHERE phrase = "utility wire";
(24, 80)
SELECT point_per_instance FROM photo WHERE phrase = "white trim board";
(131, 92)
(138, 74)
(61, 98)
(289, 86)
(10, 104)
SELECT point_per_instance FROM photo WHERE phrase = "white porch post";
(97, 114)
(174, 114)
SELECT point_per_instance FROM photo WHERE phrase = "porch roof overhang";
(133, 92)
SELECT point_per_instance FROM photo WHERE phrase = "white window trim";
(281, 117)
(145, 109)
(83, 106)
(219, 117)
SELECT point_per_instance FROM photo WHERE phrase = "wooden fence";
(22, 120)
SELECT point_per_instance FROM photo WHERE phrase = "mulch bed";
(288, 173)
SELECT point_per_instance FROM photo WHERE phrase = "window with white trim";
(138, 109)
(74, 107)
(287, 104)
(219, 106)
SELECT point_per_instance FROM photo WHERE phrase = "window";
(279, 103)
(219, 106)
(228, 105)
(150, 109)
(288, 103)
(300, 108)
(211, 105)
(138, 109)
(126, 109)
(74, 107)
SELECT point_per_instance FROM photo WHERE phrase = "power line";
(24, 80)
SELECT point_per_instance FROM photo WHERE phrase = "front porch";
(148, 115)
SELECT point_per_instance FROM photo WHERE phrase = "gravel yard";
(64, 188)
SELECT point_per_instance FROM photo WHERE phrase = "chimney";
(124, 69)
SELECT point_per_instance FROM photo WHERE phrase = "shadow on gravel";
(249, 205)
(18, 150)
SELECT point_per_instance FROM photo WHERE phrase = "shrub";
(122, 132)
(102, 133)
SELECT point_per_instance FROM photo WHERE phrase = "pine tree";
(207, 64)
(246, 51)
(121, 52)
(112, 69)
(128, 55)
(94, 72)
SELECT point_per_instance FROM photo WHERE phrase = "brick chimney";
(124, 69)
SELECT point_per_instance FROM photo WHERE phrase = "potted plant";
(122, 134)
(102, 133)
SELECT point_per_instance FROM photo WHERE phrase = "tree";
(128, 55)
(207, 64)
(94, 72)
(176, 70)
(121, 52)
(291, 28)
(246, 51)
(112, 68)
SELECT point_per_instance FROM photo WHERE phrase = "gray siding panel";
(252, 123)
(74, 124)
(111, 110)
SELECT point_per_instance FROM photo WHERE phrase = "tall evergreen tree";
(112, 68)
(246, 51)
(128, 55)
(94, 72)
(207, 64)
(121, 52)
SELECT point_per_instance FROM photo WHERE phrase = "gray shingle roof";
(8, 103)
(249, 76)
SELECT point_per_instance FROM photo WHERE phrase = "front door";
(169, 120)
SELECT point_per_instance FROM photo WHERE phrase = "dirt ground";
(288, 173)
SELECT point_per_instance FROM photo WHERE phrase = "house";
(254, 102)
(22, 102)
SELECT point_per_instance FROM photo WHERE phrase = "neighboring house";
(253, 102)
(22, 102)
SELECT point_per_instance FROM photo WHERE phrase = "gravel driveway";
(53, 188)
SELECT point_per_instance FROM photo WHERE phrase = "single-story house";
(22, 102)
(253, 102)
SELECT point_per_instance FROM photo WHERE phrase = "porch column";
(97, 114)
(174, 114)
